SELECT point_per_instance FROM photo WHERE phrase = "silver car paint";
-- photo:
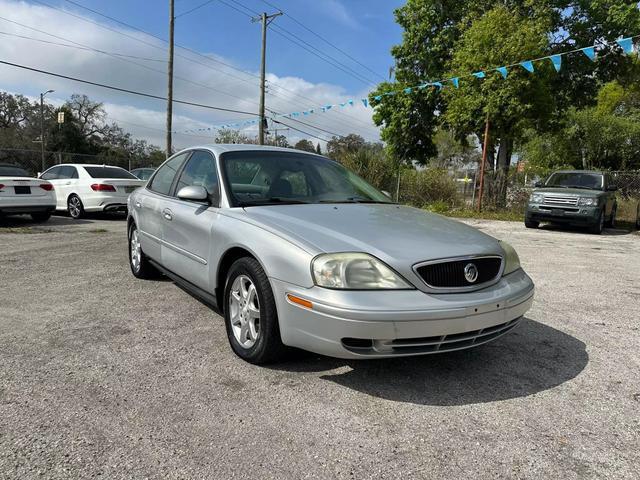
(285, 239)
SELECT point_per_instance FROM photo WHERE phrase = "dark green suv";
(574, 197)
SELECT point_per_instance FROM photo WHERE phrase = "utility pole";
(172, 19)
(484, 161)
(266, 20)
(42, 146)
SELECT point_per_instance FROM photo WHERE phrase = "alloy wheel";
(75, 207)
(136, 251)
(244, 309)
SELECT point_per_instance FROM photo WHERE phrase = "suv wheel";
(250, 314)
(75, 207)
(599, 226)
(531, 223)
(612, 220)
(138, 261)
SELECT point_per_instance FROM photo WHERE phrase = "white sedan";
(91, 188)
(20, 193)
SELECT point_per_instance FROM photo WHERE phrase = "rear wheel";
(612, 220)
(138, 261)
(250, 314)
(41, 216)
(75, 207)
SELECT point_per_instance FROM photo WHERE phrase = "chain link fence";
(33, 162)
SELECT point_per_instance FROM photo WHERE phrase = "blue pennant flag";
(590, 52)
(296, 114)
(326, 107)
(626, 44)
(408, 90)
(350, 102)
(479, 74)
(365, 102)
(437, 84)
(557, 61)
(527, 65)
(503, 71)
(312, 110)
(455, 82)
(378, 97)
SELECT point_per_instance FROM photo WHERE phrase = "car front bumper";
(573, 216)
(378, 324)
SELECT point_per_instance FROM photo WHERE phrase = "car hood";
(569, 192)
(401, 236)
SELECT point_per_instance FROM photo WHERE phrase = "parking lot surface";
(105, 375)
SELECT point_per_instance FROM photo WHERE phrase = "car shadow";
(581, 230)
(18, 221)
(532, 358)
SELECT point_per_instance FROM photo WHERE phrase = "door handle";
(68, 183)
(167, 214)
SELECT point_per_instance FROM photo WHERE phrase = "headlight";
(588, 201)
(354, 271)
(511, 260)
(536, 198)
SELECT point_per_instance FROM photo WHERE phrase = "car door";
(150, 202)
(52, 175)
(189, 226)
(67, 183)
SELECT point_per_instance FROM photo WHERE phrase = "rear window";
(109, 172)
(9, 171)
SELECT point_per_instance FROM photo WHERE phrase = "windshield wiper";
(272, 201)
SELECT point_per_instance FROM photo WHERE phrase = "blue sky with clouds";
(298, 79)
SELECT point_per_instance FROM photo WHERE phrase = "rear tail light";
(102, 187)
(1, 186)
(46, 186)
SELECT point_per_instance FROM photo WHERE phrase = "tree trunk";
(502, 169)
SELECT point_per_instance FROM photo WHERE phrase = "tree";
(305, 145)
(446, 38)
(339, 146)
(234, 136)
(318, 149)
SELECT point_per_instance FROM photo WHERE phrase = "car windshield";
(109, 172)
(593, 181)
(11, 171)
(276, 178)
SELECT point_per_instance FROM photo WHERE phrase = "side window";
(200, 170)
(68, 172)
(163, 179)
(51, 174)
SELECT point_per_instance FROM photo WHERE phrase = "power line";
(324, 40)
(146, 67)
(194, 8)
(301, 131)
(124, 90)
(314, 127)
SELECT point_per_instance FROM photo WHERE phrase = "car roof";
(218, 148)
(86, 165)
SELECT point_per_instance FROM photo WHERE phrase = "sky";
(219, 67)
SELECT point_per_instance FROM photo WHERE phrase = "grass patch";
(98, 230)
(503, 215)
(24, 230)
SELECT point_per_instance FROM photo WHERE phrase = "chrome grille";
(560, 201)
(450, 274)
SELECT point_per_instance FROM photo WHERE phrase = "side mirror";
(38, 174)
(538, 184)
(194, 193)
(612, 188)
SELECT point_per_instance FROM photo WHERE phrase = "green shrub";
(431, 186)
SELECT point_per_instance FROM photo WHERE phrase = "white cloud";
(208, 82)
(339, 12)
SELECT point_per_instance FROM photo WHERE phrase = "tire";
(599, 226)
(612, 220)
(531, 224)
(75, 207)
(41, 217)
(250, 314)
(138, 261)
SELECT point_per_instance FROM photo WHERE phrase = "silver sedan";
(297, 251)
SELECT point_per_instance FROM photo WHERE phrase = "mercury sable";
(298, 251)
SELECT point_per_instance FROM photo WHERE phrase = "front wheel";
(75, 207)
(612, 220)
(531, 224)
(250, 314)
(599, 225)
(138, 261)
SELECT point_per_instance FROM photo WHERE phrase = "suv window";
(51, 174)
(200, 170)
(163, 179)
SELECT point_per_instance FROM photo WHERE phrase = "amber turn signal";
(299, 301)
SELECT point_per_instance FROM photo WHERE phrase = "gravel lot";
(105, 375)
